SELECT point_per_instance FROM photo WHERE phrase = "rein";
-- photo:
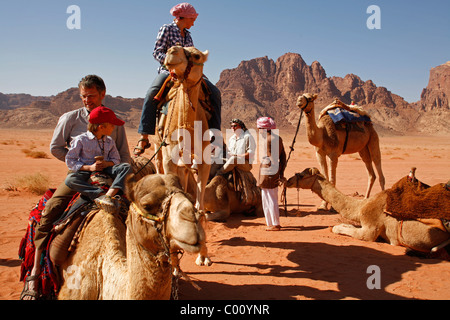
(283, 194)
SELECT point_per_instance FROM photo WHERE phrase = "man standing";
(241, 148)
(271, 171)
(71, 124)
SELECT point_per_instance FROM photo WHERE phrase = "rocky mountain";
(263, 87)
(13, 101)
(434, 104)
(30, 112)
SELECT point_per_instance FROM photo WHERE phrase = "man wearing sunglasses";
(241, 148)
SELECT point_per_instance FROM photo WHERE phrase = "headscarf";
(239, 122)
(184, 10)
(266, 123)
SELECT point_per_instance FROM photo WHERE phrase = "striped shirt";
(168, 36)
(85, 147)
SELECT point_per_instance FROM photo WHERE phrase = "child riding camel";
(94, 151)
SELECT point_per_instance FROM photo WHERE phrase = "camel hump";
(411, 199)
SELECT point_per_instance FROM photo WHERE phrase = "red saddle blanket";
(48, 283)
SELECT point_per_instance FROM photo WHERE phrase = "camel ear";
(130, 183)
(314, 171)
(206, 53)
(315, 96)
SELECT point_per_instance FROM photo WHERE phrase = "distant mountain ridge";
(263, 87)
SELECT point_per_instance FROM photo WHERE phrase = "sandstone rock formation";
(264, 87)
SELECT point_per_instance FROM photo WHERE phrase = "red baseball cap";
(104, 115)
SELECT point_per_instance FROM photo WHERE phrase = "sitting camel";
(330, 142)
(370, 214)
(136, 260)
(221, 200)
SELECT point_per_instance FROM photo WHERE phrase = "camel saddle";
(340, 111)
(410, 199)
(245, 183)
(67, 229)
(346, 118)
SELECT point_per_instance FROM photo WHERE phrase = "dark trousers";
(54, 208)
(79, 181)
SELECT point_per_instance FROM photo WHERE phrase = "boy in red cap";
(93, 151)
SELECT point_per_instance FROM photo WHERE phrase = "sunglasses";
(235, 125)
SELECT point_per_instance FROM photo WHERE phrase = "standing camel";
(371, 215)
(330, 142)
(136, 260)
(184, 139)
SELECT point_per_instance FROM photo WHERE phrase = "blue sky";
(39, 55)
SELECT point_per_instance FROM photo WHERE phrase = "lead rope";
(283, 194)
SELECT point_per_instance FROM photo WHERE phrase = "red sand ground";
(303, 261)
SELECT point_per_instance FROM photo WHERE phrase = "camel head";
(158, 205)
(185, 63)
(306, 102)
(304, 179)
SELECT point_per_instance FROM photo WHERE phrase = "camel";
(186, 123)
(370, 214)
(221, 200)
(136, 260)
(332, 143)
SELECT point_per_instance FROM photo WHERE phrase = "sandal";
(141, 150)
(107, 204)
(26, 292)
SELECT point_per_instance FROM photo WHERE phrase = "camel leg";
(367, 159)
(375, 154)
(202, 258)
(202, 180)
(185, 180)
(380, 174)
(322, 159)
(168, 165)
(334, 159)
(363, 233)
(159, 163)
(220, 215)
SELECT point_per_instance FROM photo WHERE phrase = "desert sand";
(304, 260)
